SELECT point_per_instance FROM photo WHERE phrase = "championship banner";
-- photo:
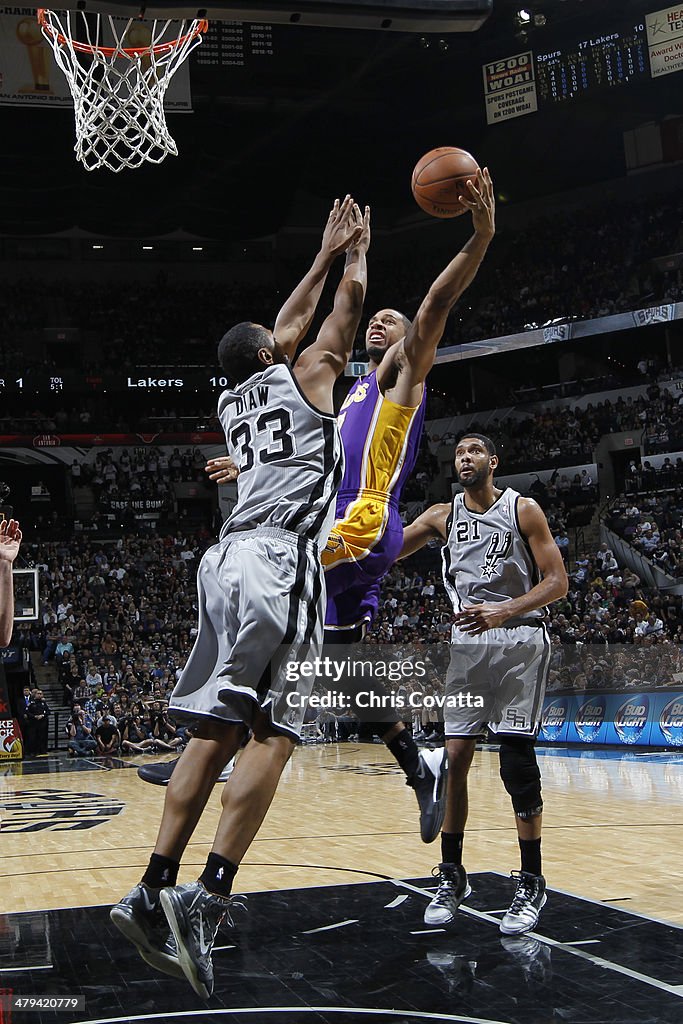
(509, 87)
(665, 41)
(11, 746)
(30, 77)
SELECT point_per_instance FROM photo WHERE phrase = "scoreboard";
(143, 380)
(582, 66)
(592, 64)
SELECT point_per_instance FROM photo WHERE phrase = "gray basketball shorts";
(261, 612)
(497, 680)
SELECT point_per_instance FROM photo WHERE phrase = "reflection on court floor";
(348, 953)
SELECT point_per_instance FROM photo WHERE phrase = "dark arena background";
(567, 350)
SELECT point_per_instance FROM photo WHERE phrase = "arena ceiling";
(331, 111)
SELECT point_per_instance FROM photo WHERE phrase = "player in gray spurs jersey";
(261, 609)
(501, 567)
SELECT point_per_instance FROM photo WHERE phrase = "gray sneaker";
(453, 888)
(140, 918)
(529, 900)
(429, 783)
(195, 915)
(160, 774)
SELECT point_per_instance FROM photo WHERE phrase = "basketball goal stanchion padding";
(119, 90)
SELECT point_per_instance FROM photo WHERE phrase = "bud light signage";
(589, 721)
(631, 721)
(639, 719)
(554, 720)
(667, 727)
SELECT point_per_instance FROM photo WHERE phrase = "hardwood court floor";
(613, 828)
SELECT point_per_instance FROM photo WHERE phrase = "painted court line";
(35, 967)
(646, 979)
(330, 927)
(397, 902)
(364, 1010)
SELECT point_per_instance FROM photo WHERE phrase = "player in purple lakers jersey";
(381, 424)
(381, 442)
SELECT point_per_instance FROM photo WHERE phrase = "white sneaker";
(529, 900)
(453, 888)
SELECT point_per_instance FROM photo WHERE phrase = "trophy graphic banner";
(30, 77)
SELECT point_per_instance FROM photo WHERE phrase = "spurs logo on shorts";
(497, 551)
(516, 719)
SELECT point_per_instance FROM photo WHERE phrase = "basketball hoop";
(119, 90)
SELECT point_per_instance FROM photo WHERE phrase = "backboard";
(26, 606)
(385, 15)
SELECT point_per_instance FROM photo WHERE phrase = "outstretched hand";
(223, 470)
(481, 201)
(362, 221)
(344, 227)
(10, 539)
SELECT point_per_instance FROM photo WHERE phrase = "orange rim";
(112, 51)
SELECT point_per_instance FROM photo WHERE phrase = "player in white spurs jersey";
(501, 568)
(261, 610)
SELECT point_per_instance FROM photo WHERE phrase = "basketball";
(440, 178)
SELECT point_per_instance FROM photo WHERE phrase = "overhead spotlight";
(523, 16)
(443, 45)
(424, 42)
(540, 20)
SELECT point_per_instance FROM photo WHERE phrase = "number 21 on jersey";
(466, 531)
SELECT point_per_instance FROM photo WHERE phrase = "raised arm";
(322, 362)
(431, 525)
(10, 539)
(296, 315)
(418, 349)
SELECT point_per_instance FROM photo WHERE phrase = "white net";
(119, 89)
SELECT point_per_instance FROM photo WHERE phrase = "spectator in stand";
(107, 736)
(164, 731)
(136, 737)
(562, 541)
(37, 717)
(80, 741)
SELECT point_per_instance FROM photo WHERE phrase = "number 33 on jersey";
(269, 422)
